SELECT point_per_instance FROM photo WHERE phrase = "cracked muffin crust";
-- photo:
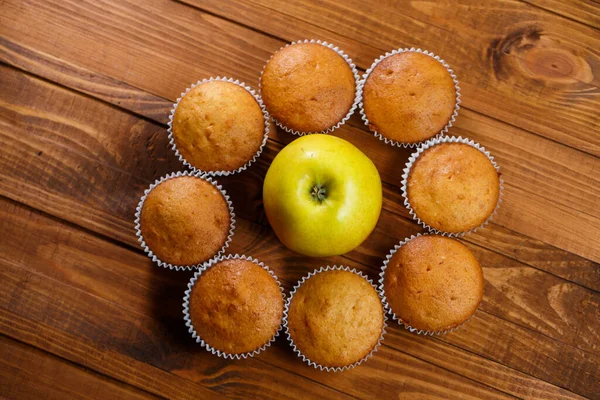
(218, 126)
(409, 97)
(308, 87)
(185, 220)
(433, 283)
(236, 306)
(335, 318)
(453, 187)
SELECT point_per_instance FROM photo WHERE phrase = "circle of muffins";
(310, 87)
(431, 283)
(335, 318)
(409, 96)
(218, 126)
(451, 185)
(234, 306)
(184, 219)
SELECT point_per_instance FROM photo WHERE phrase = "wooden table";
(85, 90)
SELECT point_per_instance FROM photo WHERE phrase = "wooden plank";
(117, 202)
(526, 69)
(28, 373)
(482, 369)
(558, 300)
(520, 248)
(20, 189)
(584, 11)
(88, 264)
(525, 249)
(152, 334)
(261, 243)
(575, 181)
(100, 358)
(158, 344)
(522, 65)
(532, 162)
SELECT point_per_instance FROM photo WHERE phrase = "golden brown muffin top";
(308, 87)
(453, 187)
(433, 283)
(335, 318)
(236, 306)
(409, 97)
(185, 220)
(218, 126)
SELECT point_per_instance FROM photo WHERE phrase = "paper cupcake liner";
(260, 149)
(186, 307)
(357, 95)
(413, 158)
(287, 331)
(386, 305)
(430, 54)
(138, 213)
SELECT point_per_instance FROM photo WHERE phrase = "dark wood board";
(85, 91)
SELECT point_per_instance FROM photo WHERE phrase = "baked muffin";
(235, 306)
(308, 87)
(335, 318)
(218, 126)
(453, 187)
(409, 97)
(433, 283)
(185, 220)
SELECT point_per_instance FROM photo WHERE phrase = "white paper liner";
(357, 94)
(287, 331)
(413, 158)
(186, 308)
(430, 54)
(386, 305)
(260, 149)
(138, 213)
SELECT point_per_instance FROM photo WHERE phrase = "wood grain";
(84, 209)
(584, 11)
(63, 254)
(509, 243)
(28, 373)
(148, 326)
(83, 134)
(576, 189)
(515, 62)
(118, 191)
(131, 163)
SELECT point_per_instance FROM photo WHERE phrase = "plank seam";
(457, 373)
(560, 15)
(82, 367)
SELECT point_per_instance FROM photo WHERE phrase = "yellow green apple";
(322, 196)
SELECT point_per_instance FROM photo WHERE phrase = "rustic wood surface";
(85, 91)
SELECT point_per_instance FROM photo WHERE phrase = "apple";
(322, 196)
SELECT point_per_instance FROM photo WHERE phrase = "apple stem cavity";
(319, 193)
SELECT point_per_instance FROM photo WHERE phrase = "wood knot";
(529, 52)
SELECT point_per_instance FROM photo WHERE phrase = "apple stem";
(319, 192)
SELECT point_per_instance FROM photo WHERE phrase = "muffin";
(452, 187)
(309, 87)
(409, 97)
(335, 318)
(218, 125)
(184, 220)
(235, 306)
(432, 283)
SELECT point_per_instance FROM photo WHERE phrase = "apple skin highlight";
(322, 196)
